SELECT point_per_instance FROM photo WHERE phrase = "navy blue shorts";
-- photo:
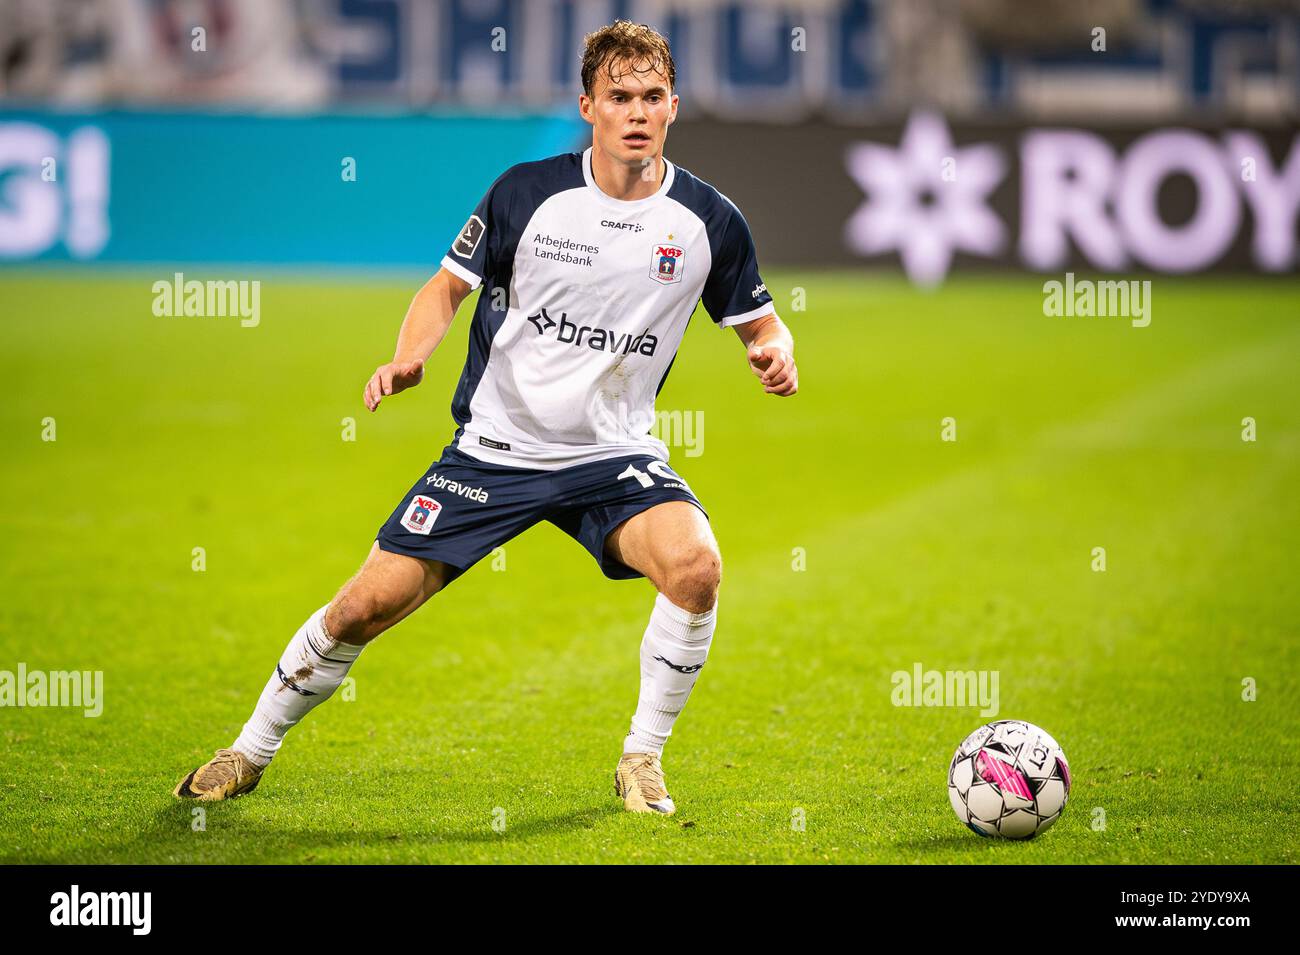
(463, 508)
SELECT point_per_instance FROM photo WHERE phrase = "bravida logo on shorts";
(455, 487)
(420, 514)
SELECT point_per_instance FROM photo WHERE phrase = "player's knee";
(385, 590)
(693, 582)
(358, 616)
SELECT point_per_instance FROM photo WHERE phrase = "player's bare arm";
(770, 349)
(427, 320)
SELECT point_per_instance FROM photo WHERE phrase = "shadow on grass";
(947, 845)
(234, 834)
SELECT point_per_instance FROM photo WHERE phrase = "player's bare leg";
(673, 545)
(386, 589)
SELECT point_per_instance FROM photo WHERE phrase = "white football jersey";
(585, 300)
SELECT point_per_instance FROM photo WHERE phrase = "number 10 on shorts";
(655, 467)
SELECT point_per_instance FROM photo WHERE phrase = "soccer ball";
(1008, 778)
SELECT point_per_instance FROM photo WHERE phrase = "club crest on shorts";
(420, 514)
(667, 262)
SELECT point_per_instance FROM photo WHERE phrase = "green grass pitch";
(512, 690)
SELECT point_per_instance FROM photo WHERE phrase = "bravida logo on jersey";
(420, 514)
(593, 336)
(666, 263)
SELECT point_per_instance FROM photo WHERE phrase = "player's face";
(630, 113)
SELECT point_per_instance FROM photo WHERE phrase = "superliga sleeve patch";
(469, 237)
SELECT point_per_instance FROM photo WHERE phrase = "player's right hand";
(391, 378)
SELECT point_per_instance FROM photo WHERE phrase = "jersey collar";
(626, 205)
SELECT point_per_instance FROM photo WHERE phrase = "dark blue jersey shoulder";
(734, 291)
(486, 248)
(486, 245)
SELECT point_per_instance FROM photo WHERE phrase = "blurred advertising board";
(125, 187)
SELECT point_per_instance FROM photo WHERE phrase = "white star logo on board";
(956, 181)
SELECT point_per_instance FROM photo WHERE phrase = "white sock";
(675, 646)
(312, 667)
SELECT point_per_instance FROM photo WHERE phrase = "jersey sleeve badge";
(469, 237)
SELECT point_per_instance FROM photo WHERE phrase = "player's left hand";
(775, 368)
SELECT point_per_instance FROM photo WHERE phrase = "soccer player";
(591, 264)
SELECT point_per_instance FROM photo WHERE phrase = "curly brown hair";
(640, 48)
